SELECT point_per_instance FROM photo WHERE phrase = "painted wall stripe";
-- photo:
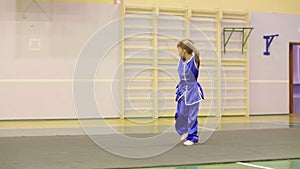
(269, 81)
(55, 80)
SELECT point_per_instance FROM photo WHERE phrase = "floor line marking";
(207, 128)
(252, 165)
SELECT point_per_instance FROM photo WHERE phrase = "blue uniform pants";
(186, 120)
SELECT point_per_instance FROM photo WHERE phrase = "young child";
(189, 92)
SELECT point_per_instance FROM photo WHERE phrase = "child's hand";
(191, 45)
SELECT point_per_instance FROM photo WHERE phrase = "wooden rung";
(138, 98)
(235, 88)
(138, 61)
(167, 79)
(137, 27)
(137, 88)
(172, 11)
(234, 50)
(235, 98)
(167, 68)
(234, 60)
(209, 88)
(205, 40)
(168, 61)
(235, 14)
(234, 22)
(138, 47)
(167, 88)
(138, 68)
(133, 16)
(168, 108)
(138, 108)
(161, 37)
(234, 69)
(234, 107)
(168, 48)
(139, 9)
(138, 37)
(207, 79)
(207, 68)
(234, 79)
(139, 79)
(171, 28)
(168, 98)
(235, 41)
(202, 12)
(208, 107)
(203, 20)
(176, 18)
(231, 113)
(204, 30)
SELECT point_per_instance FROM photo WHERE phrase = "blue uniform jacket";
(188, 88)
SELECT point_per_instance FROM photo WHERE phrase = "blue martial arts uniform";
(188, 96)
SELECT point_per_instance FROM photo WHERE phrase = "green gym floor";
(276, 164)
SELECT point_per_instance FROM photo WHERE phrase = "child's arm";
(195, 50)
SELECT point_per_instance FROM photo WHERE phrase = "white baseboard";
(268, 113)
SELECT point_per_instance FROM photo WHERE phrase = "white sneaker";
(183, 137)
(188, 143)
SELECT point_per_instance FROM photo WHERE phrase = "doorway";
(294, 77)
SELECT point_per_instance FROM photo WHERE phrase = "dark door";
(294, 77)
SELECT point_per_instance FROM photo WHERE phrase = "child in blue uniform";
(189, 92)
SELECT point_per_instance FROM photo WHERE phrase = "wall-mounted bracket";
(37, 5)
(269, 39)
(245, 35)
